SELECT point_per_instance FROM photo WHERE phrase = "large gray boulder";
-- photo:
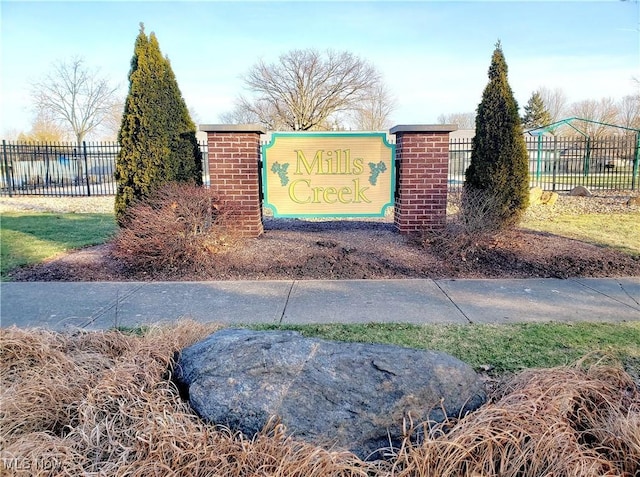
(344, 395)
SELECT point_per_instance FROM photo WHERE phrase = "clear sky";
(434, 56)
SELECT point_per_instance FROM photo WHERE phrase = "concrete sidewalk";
(100, 305)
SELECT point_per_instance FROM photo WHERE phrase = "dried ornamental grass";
(569, 421)
(111, 409)
(104, 404)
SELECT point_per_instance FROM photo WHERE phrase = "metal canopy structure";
(540, 131)
(567, 122)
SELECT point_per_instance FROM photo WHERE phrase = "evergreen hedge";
(499, 169)
(157, 136)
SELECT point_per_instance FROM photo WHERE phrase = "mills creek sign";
(328, 174)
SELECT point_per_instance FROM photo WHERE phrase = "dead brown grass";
(103, 404)
(570, 421)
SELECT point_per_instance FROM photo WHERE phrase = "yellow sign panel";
(328, 174)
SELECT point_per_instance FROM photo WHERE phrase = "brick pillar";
(422, 152)
(234, 152)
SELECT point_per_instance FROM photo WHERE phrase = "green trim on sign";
(381, 135)
(325, 216)
(279, 170)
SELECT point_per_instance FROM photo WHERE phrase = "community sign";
(328, 174)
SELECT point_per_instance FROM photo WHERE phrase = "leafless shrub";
(472, 225)
(181, 228)
(481, 211)
(122, 415)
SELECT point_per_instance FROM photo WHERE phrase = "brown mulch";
(357, 249)
(295, 249)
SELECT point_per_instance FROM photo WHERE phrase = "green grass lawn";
(620, 231)
(622, 179)
(27, 238)
(504, 348)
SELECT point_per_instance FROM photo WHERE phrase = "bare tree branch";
(463, 120)
(307, 89)
(629, 111)
(373, 113)
(603, 111)
(555, 101)
(43, 129)
(75, 96)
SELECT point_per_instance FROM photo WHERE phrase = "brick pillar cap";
(418, 128)
(256, 128)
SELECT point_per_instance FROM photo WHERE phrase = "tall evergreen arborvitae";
(157, 136)
(536, 113)
(499, 167)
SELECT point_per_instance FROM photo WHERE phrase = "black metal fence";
(558, 164)
(63, 169)
(562, 163)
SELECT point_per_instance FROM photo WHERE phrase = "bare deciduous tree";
(373, 112)
(463, 120)
(256, 112)
(629, 111)
(112, 120)
(43, 129)
(307, 89)
(602, 111)
(555, 101)
(238, 115)
(75, 96)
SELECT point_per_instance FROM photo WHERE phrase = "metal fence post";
(539, 160)
(556, 159)
(7, 173)
(39, 180)
(86, 167)
(587, 158)
(636, 163)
